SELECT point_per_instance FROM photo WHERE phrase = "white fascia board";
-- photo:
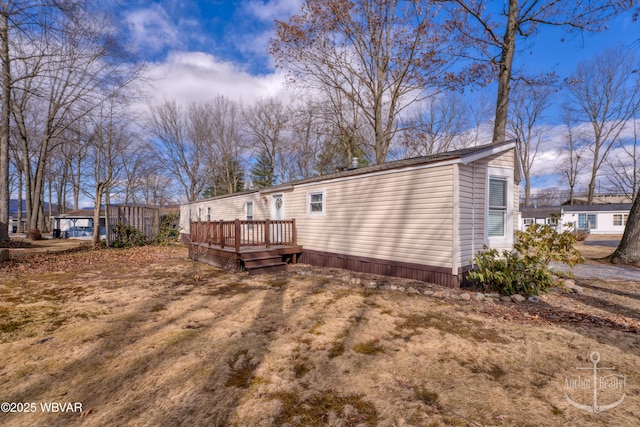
(489, 151)
(271, 190)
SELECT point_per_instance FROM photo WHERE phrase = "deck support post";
(267, 232)
(237, 234)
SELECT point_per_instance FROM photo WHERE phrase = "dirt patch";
(146, 337)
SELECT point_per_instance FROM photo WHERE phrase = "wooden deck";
(260, 246)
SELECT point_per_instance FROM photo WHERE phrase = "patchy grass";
(328, 408)
(370, 347)
(146, 337)
(242, 369)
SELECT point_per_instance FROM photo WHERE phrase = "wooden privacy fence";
(243, 233)
(143, 218)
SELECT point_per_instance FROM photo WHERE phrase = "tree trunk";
(20, 207)
(628, 250)
(504, 77)
(5, 125)
(95, 240)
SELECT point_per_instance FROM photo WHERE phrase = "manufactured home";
(422, 218)
(608, 218)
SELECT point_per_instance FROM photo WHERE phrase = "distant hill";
(13, 206)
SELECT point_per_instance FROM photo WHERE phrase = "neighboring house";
(77, 224)
(422, 218)
(594, 219)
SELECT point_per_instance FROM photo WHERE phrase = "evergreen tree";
(262, 173)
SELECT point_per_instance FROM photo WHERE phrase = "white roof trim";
(271, 190)
(489, 151)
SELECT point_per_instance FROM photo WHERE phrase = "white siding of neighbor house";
(604, 221)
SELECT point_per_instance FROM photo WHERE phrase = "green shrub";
(128, 236)
(169, 231)
(525, 270)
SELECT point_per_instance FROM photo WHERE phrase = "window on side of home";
(497, 206)
(527, 221)
(248, 207)
(316, 203)
(620, 219)
(208, 213)
(552, 221)
(587, 221)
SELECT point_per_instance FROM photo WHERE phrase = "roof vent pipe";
(354, 163)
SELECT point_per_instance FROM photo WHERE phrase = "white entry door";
(277, 214)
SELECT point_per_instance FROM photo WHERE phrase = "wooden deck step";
(263, 262)
(281, 266)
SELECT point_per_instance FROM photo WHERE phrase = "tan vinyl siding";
(404, 216)
(503, 160)
(472, 210)
(226, 208)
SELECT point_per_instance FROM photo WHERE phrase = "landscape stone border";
(387, 283)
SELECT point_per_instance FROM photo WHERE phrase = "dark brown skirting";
(220, 258)
(425, 273)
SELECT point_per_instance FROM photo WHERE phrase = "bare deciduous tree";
(573, 149)
(438, 126)
(63, 76)
(266, 125)
(108, 145)
(624, 169)
(528, 102)
(605, 93)
(224, 152)
(180, 149)
(382, 55)
(494, 39)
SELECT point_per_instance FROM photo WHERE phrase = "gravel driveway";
(603, 272)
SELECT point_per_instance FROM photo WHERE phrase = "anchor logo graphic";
(595, 408)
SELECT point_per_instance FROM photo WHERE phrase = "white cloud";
(198, 77)
(275, 9)
(151, 29)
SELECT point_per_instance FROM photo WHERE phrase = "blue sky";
(196, 50)
(236, 33)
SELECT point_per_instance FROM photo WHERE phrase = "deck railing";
(243, 233)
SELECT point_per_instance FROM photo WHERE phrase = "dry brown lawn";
(145, 337)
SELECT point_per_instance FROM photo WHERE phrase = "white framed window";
(316, 203)
(620, 219)
(587, 221)
(248, 211)
(528, 221)
(551, 221)
(208, 213)
(499, 207)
